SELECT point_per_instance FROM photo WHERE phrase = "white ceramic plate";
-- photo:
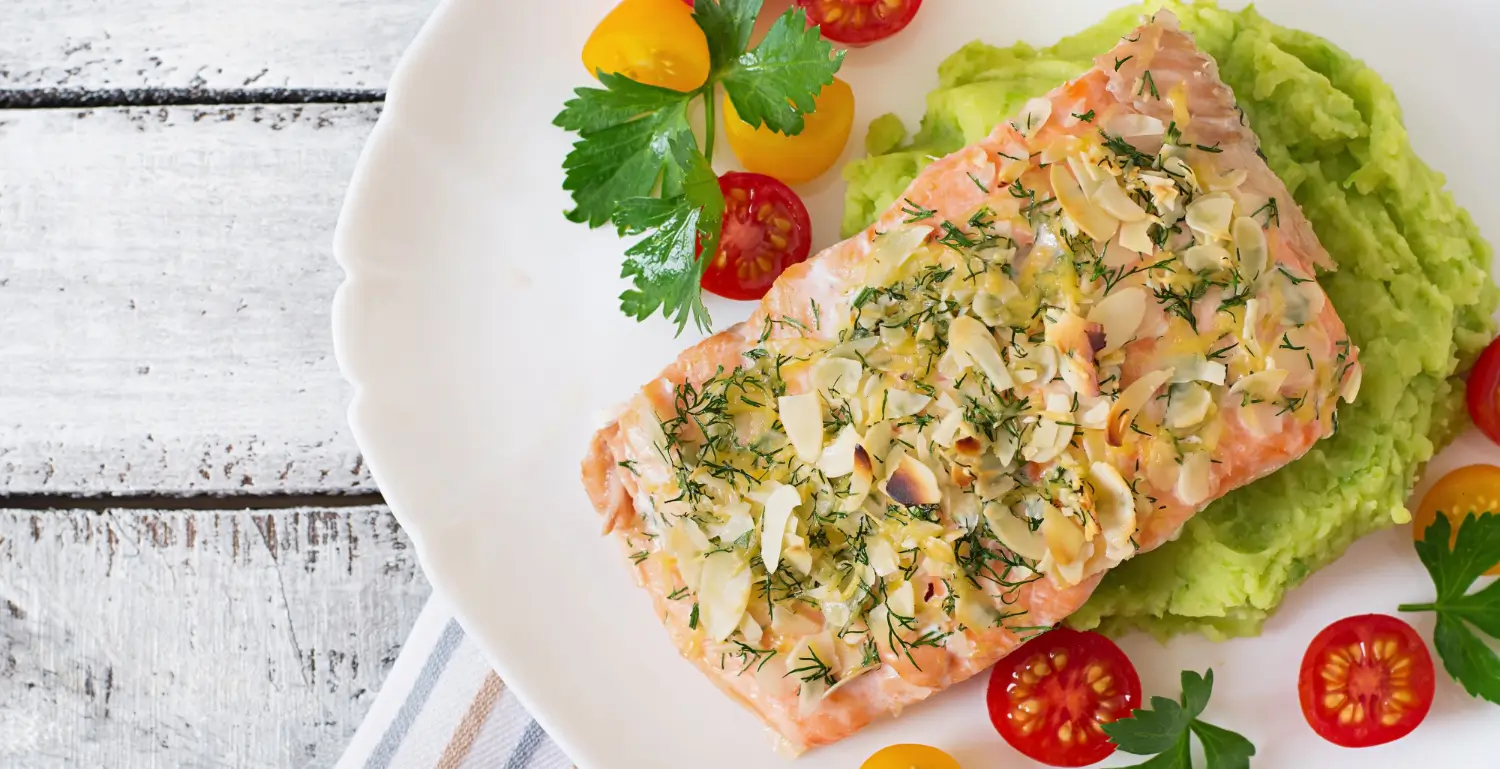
(481, 331)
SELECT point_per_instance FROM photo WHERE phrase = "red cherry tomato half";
(1483, 392)
(1365, 681)
(766, 230)
(1051, 698)
(860, 22)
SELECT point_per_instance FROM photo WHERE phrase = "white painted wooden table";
(195, 567)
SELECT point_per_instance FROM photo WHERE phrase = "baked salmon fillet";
(930, 441)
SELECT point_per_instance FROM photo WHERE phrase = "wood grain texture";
(205, 43)
(196, 639)
(166, 279)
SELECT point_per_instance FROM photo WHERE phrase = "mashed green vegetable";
(1413, 284)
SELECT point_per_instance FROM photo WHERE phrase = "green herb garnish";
(1466, 656)
(1163, 731)
(637, 162)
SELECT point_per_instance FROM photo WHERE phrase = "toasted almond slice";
(882, 555)
(1048, 439)
(974, 339)
(1090, 218)
(860, 481)
(912, 483)
(802, 416)
(1198, 368)
(1135, 124)
(1120, 315)
(1132, 401)
(723, 593)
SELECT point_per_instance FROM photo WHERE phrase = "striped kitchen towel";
(442, 707)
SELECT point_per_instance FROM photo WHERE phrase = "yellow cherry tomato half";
(1472, 489)
(910, 757)
(800, 158)
(650, 41)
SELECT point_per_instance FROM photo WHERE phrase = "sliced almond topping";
(1250, 245)
(860, 481)
(1014, 533)
(1114, 506)
(913, 483)
(968, 446)
(882, 556)
(1135, 124)
(1188, 406)
(1063, 535)
(900, 403)
(1352, 380)
(1048, 439)
(1206, 257)
(1090, 218)
(802, 416)
(891, 249)
(723, 594)
(832, 376)
(974, 339)
(1136, 236)
(1211, 215)
(1132, 401)
(961, 476)
(1033, 116)
(1193, 482)
(778, 513)
(838, 457)
(1110, 197)
(1262, 384)
(1120, 315)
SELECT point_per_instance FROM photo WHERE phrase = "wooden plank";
(192, 639)
(207, 44)
(166, 277)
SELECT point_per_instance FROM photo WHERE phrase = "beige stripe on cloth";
(468, 728)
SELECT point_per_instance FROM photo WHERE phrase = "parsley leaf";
(625, 134)
(779, 80)
(1163, 731)
(727, 24)
(664, 265)
(1466, 656)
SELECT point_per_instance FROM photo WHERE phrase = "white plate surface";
(481, 331)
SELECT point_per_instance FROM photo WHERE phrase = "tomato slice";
(650, 41)
(1483, 392)
(860, 22)
(1365, 681)
(766, 230)
(1051, 698)
(800, 158)
(910, 757)
(1472, 489)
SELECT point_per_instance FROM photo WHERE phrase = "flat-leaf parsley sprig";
(1460, 613)
(638, 163)
(1164, 731)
